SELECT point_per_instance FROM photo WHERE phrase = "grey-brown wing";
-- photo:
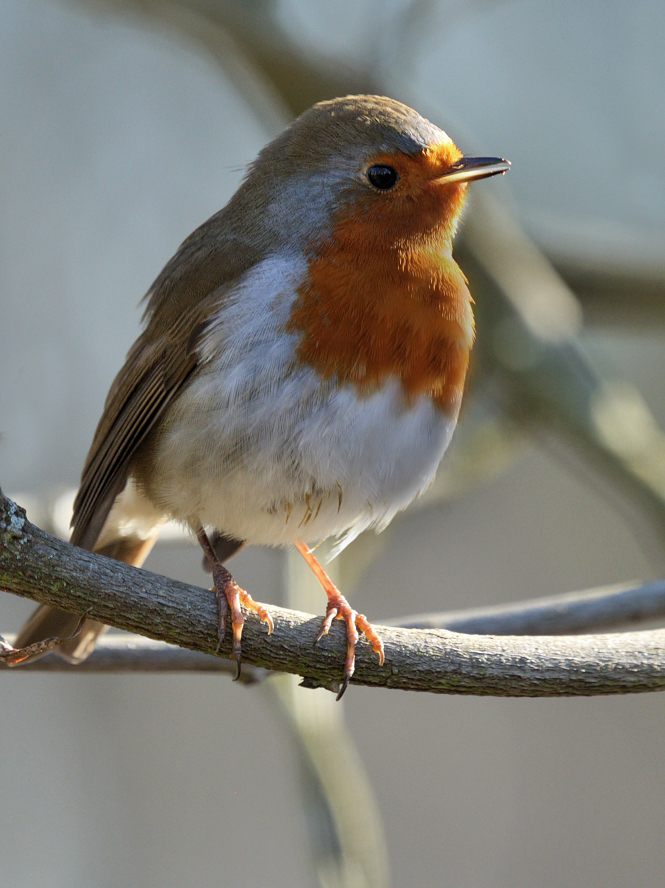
(180, 301)
(149, 380)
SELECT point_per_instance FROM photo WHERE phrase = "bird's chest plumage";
(277, 438)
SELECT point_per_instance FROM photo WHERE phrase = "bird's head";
(365, 162)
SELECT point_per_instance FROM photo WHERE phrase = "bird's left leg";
(338, 608)
(229, 597)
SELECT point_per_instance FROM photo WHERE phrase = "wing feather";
(180, 302)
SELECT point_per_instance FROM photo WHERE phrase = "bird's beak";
(468, 168)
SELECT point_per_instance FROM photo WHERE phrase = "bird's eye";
(382, 177)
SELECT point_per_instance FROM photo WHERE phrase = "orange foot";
(339, 609)
(229, 597)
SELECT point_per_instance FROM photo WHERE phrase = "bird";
(301, 365)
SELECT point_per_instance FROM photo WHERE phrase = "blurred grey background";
(119, 135)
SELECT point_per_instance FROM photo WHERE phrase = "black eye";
(382, 177)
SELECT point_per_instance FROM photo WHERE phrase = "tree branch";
(116, 652)
(38, 566)
(609, 607)
(606, 607)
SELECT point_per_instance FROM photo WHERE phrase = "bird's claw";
(230, 597)
(356, 624)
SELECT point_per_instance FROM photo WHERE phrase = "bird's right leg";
(229, 597)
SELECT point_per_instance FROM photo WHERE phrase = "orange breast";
(381, 300)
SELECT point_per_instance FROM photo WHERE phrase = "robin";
(301, 367)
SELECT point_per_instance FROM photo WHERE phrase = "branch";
(116, 652)
(38, 566)
(606, 608)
